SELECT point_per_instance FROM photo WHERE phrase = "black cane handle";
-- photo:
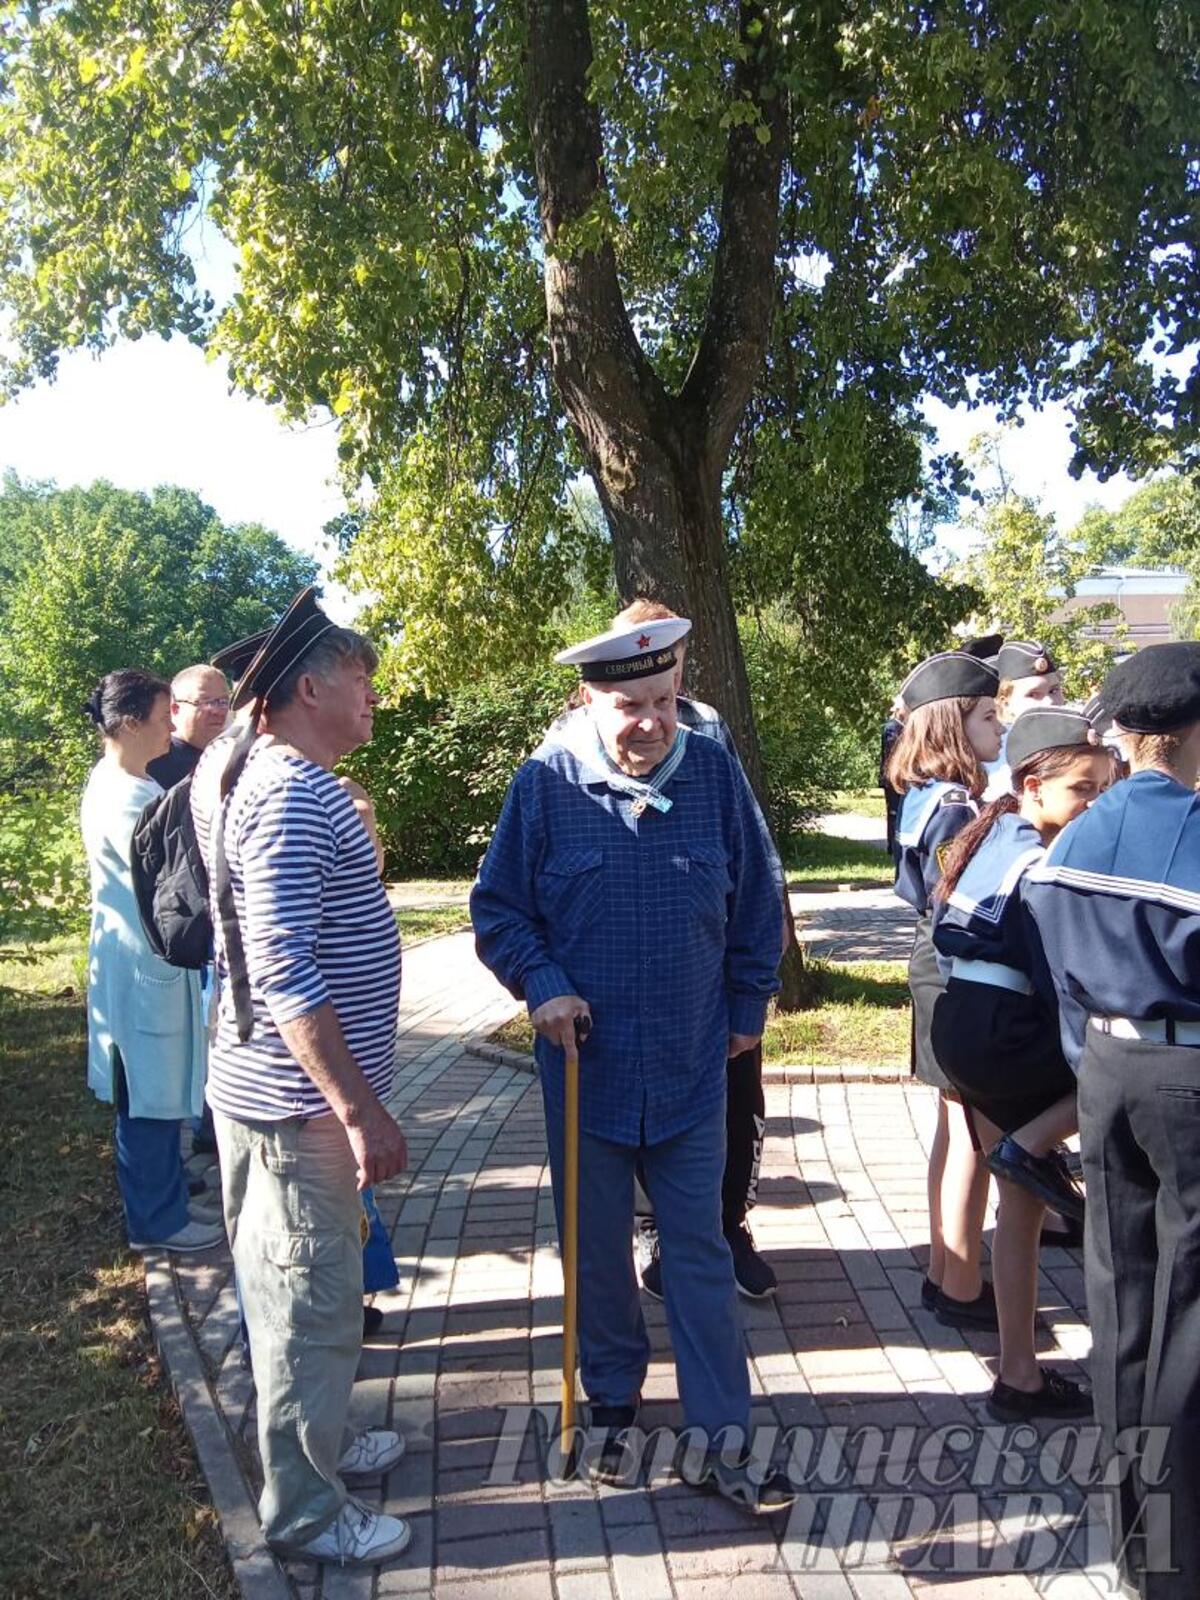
(583, 1026)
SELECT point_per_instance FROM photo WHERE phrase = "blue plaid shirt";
(667, 924)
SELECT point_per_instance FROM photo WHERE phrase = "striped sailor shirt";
(316, 926)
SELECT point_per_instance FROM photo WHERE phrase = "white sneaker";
(357, 1537)
(192, 1236)
(371, 1452)
(201, 1164)
(206, 1208)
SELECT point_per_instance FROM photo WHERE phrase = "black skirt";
(1001, 1051)
(926, 985)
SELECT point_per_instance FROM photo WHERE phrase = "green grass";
(819, 858)
(432, 886)
(101, 1491)
(861, 1019)
(860, 802)
(431, 922)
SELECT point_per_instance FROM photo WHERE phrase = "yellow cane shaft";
(570, 1242)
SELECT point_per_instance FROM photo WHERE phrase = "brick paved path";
(472, 1340)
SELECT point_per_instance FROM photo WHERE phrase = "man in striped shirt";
(299, 1103)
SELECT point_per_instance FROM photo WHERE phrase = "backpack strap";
(231, 933)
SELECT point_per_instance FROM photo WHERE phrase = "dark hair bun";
(91, 707)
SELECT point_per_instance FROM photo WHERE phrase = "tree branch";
(611, 393)
(737, 327)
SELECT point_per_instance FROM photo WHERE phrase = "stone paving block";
(752, 1548)
(496, 1517)
(742, 1586)
(577, 1531)
(466, 1559)
(583, 1585)
(639, 1567)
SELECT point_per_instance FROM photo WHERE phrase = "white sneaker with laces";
(357, 1537)
(192, 1236)
(371, 1452)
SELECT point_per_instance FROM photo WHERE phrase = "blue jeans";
(149, 1171)
(683, 1177)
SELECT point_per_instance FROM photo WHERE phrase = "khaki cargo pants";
(292, 1212)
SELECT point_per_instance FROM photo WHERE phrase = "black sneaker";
(755, 1279)
(1058, 1397)
(372, 1321)
(756, 1489)
(1044, 1176)
(929, 1294)
(605, 1455)
(979, 1313)
(646, 1258)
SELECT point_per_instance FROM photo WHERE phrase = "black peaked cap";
(1024, 658)
(1047, 728)
(948, 676)
(261, 659)
(1157, 690)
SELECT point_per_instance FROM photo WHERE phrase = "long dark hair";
(127, 695)
(1050, 763)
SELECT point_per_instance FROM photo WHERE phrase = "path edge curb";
(255, 1569)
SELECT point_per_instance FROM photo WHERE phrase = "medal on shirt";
(638, 808)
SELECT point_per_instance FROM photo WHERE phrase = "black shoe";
(755, 1279)
(755, 1489)
(979, 1313)
(1058, 1397)
(1068, 1238)
(372, 1320)
(607, 1461)
(1045, 1176)
(646, 1257)
(929, 1294)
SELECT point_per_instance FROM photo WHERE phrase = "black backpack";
(170, 883)
(170, 879)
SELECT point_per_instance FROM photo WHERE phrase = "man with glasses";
(199, 712)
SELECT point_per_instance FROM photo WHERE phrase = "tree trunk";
(656, 458)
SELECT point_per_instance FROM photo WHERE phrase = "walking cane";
(570, 1239)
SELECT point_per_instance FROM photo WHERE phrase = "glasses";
(206, 705)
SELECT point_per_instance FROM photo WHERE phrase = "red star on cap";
(644, 642)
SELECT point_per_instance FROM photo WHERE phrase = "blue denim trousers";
(149, 1171)
(683, 1177)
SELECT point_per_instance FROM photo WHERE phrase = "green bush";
(438, 768)
(43, 874)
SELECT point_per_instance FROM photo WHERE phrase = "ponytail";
(965, 843)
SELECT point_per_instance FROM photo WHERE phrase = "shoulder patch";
(955, 797)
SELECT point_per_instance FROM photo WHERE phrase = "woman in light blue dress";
(146, 1033)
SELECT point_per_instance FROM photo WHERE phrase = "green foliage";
(43, 874)
(979, 200)
(1025, 571)
(438, 769)
(99, 578)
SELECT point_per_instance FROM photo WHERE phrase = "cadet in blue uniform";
(997, 1037)
(1029, 677)
(937, 766)
(629, 882)
(1117, 907)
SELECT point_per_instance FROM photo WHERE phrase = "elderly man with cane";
(628, 885)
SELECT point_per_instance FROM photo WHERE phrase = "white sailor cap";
(634, 650)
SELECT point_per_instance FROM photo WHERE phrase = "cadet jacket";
(1116, 901)
(929, 818)
(984, 919)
